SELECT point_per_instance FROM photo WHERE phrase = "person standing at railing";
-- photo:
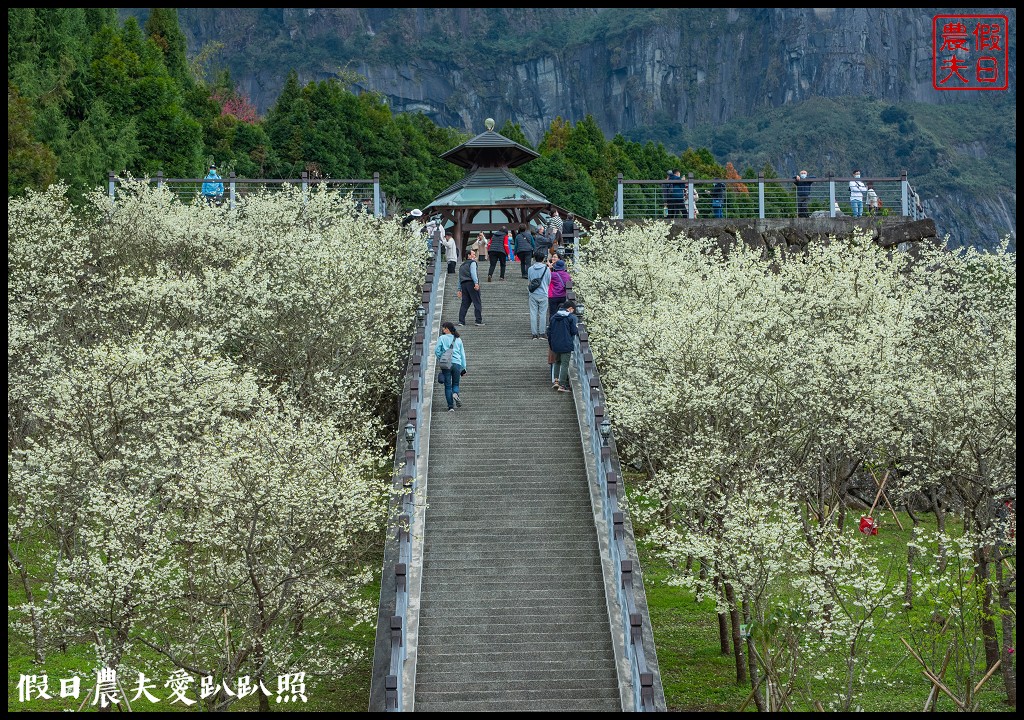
(718, 199)
(213, 190)
(562, 329)
(872, 197)
(857, 190)
(803, 193)
(569, 229)
(450, 252)
(556, 222)
(677, 206)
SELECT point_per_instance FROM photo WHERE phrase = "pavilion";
(489, 196)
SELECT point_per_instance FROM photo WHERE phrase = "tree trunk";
(737, 644)
(988, 624)
(723, 625)
(1008, 619)
(908, 592)
(751, 662)
(940, 520)
(39, 655)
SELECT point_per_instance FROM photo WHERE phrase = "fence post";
(159, 179)
(305, 187)
(377, 210)
(760, 195)
(905, 188)
(231, 191)
(620, 211)
(110, 185)
(690, 206)
(831, 195)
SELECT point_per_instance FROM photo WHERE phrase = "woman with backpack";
(451, 360)
(558, 286)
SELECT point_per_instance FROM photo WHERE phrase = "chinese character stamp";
(970, 52)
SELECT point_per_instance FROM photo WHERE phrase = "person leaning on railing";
(213, 192)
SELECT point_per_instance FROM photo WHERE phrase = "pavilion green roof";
(490, 149)
(487, 186)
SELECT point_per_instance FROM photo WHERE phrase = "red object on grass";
(867, 525)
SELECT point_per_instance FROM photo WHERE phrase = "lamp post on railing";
(410, 434)
(421, 316)
(606, 431)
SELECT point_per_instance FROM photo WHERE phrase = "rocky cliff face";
(629, 68)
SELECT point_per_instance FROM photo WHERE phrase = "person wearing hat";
(414, 214)
(498, 251)
(213, 191)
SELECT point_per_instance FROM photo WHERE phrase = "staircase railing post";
(110, 185)
(619, 211)
(377, 210)
(831, 195)
(305, 187)
(760, 195)
(905, 193)
(690, 205)
(231, 190)
(159, 179)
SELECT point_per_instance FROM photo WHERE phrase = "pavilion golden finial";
(489, 123)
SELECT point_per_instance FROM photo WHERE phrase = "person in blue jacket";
(561, 331)
(213, 190)
(449, 338)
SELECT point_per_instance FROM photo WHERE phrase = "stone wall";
(795, 235)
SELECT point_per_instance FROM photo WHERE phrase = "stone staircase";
(512, 610)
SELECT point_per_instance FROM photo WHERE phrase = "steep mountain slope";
(632, 69)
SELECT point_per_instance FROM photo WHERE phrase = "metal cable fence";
(366, 193)
(767, 198)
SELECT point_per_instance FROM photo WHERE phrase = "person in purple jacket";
(558, 286)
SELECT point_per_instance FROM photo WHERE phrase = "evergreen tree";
(514, 132)
(97, 145)
(163, 29)
(562, 183)
(129, 75)
(30, 164)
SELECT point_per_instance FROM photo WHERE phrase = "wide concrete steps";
(513, 613)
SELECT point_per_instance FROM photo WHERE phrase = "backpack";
(446, 357)
(535, 283)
